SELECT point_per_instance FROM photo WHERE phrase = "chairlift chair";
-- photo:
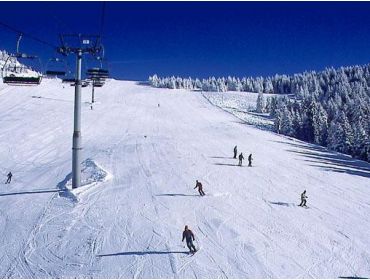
(68, 78)
(100, 71)
(56, 67)
(98, 74)
(98, 82)
(16, 72)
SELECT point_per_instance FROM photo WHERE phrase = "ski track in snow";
(248, 225)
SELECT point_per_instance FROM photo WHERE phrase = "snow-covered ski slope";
(129, 224)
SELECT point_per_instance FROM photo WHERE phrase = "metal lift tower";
(79, 45)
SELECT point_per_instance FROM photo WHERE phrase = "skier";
(159, 105)
(303, 199)
(241, 157)
(10, 175)
(200, 188)
(189, 236)
(250, 160)
(235, 151)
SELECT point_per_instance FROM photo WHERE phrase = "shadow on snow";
(143, 253)
(224, 157)
(64, 191)
(176, 194)
(351, 277)
(226, 164)
(61, 189)
(53, 99)
(281, 203)
(30, 192)
(328, 160)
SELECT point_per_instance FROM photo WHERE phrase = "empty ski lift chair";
(98, 83)
(56, 67)
(97, 76)
(16, 69)
(68, 80)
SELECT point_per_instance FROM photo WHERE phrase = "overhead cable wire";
(25, 34)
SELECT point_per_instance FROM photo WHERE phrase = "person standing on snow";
(250, 160)
(200, 188)
(241, 157)
(235, 151)
(303, 199)
(189, 236)
(10, 175)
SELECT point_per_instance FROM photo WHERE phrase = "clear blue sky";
(202, 39)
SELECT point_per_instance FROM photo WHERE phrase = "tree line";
(330, 108)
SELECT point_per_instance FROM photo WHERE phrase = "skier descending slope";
(303, 199)
(200, 188)
(10, 175)
(250, 160)
(241, 157)
(189, 236)
(235, 151)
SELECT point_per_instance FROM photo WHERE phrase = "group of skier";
(187, 234)
(241, 157)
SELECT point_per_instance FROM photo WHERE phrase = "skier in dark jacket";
(189, 236)
(250, 160)
(303, 199)
(235, 151)
(241, 157)
(200, 188)
(10, 175)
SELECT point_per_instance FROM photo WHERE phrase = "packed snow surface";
(143, 149)
(243, 106)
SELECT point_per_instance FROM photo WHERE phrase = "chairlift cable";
(27, 35)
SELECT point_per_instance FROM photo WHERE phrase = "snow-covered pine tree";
(286, 126)
(327, 105)
(320, 125)
(260, 105)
